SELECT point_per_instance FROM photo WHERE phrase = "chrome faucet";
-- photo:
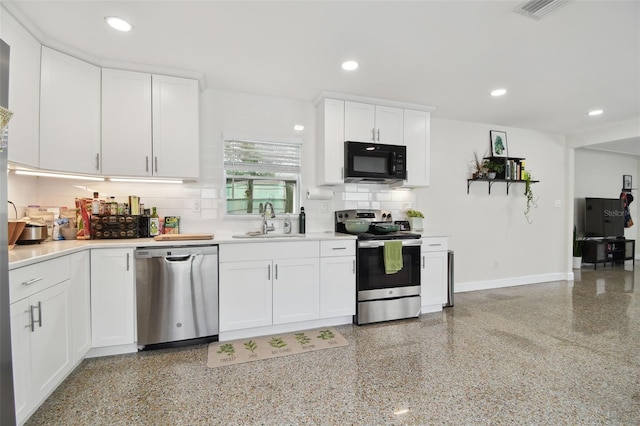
(265, 226)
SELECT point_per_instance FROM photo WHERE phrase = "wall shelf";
(509, 182)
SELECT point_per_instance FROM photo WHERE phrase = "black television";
(603, 217)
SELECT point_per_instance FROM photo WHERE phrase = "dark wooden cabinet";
(605, 250)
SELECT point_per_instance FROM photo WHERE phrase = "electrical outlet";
(324, 207)
(558, 203)
(196, 206)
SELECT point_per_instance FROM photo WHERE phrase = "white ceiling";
(447, 54)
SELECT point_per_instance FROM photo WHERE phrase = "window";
(258, 172)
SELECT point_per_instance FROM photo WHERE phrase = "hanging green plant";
(528, 193)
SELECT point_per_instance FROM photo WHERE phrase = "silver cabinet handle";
(97, 161)
(268, 272)
(339, 248)
(373, 134)
(127, 261)
(434, 245)
(276, 271)
(32, 320)
(354, 267)
(378, 135)
(422, 262)
(32, 281)
(146, 167)
(342, 173)
(156, 163)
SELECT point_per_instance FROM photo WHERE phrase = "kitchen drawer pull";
(422, 262)
(39, 314)
(127, 261)
(276, 271)
(32, 321)
(156, 164)
(146, 167)
(32, 281)
(338, 248)
(268, 272)
(354, 267)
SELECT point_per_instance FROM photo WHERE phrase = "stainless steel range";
(383, 296)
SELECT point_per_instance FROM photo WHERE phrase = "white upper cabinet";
(126, 123)
(372, 123)
(24, 92)
(176, 151)
(149, 125)
(330, 142)
(69, 114)
(417, 126)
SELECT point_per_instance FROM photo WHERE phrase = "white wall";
(493, 243)
(598, 174)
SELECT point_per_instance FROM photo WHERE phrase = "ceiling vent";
(536, 9)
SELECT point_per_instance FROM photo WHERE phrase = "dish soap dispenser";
(287, 224)
(301, 221)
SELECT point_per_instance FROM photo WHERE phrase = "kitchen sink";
(268, 235)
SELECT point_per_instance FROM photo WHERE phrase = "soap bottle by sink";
(287, 224)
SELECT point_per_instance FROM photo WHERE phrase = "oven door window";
(371, 275)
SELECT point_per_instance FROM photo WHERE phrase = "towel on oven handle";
(392, 256)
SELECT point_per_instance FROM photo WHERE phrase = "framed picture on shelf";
(626, 182)
(498, 143)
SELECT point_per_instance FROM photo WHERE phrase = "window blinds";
(261, 157)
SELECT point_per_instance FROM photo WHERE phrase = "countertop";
(23, 255)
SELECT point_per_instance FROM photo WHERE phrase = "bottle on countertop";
(154, 223)
(287, 224)
(301, 221)
(95, 204)
(113, 205)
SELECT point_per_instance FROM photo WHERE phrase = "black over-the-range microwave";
(374, 163)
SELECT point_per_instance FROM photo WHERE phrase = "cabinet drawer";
(338, 248)
(434, 244)
(28, 280)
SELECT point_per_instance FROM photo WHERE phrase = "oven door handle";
(377, 243)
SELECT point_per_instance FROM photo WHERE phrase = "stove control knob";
(339, 215)
(346, 215)
(384, 215)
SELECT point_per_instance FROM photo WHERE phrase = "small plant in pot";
(577, 249)
(493, 168)
(415, 219)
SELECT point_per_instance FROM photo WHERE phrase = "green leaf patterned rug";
(265, 347)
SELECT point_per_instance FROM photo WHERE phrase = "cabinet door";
(296, 290)
(176, 150)
(80, 304)
(359, 122)
(126, 123)
(418, 143)
(69, 114)
(51, 357)
(245, 295)
(24, 92)
(337, 286)
(330, 142)
(434, 278)
(112, 297)
(389, 125)
(21, 358)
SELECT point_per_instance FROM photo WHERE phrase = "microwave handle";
(393, 163)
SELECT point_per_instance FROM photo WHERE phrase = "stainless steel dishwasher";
(176, 294)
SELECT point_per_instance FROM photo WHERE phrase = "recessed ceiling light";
(595, 112)
(498, 92)
(118, 23)
(298, 127)
(349, 65)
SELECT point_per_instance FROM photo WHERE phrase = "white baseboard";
(512, 281)
(112, 350)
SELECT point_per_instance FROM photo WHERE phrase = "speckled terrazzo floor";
(544, 354)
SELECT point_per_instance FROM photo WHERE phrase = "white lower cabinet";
(279, 285)
(337, 278)
(112, 297)
(434, 273)
(41, 345)
(245, 294)
(81, 304)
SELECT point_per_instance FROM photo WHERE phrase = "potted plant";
(479, 170)
(493, 168)
(415, 219)
(577, 249)
(528, 192)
